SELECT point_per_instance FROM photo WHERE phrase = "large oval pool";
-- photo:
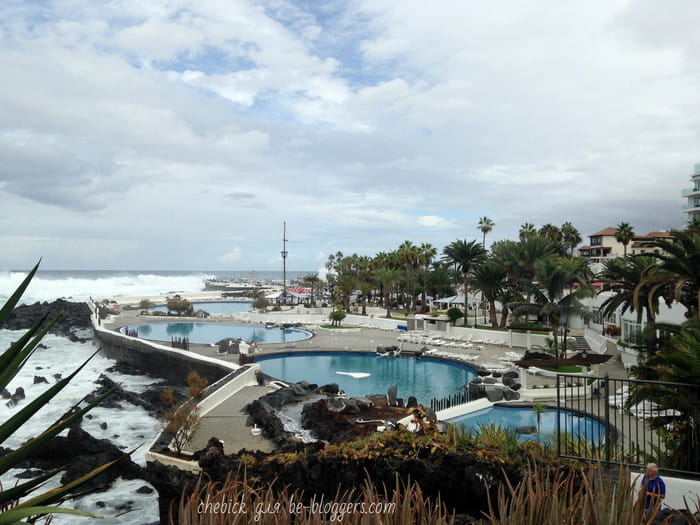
(210, 333)
(424, 378)
(569, 422)
(223, 307)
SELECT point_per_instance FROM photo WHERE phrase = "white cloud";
(233, 256)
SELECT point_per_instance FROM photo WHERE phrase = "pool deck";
(227, 421)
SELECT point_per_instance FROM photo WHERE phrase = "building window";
(596, 241)
(632, 332)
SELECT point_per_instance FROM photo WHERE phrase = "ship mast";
(284, 263)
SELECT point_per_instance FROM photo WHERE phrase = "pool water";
(570, 423)
(210, 333)
(227, 307)
(424, 378)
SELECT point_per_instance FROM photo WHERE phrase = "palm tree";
(570, 237)
(311, 279)
(624, 234)
(624, 275)
(441, 280)
(554, 295)
(409, 255)
(464, 255)
(678, 274)
(387, 277)
(485, 225)
(489, 278)
(551, 232)
(527, 229)
(539, 409)
(426, 254)
(693, 225)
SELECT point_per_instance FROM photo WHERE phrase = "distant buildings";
(603, 245)
(692, 194)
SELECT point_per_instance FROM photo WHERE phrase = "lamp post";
(284, 264)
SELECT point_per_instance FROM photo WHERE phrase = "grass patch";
(568, 369)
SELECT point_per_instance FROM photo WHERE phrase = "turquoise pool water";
(209, 333)
(424, 378)
(228, 307)
(570, 423)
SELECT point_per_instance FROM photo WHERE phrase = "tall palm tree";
(677, 275)
(388, 277)
(624, 276)
(311, 279)
(464, 255)
(527, 229)
(485, 225)
(551, 232)
(489, 278)
(570, 237)
(624, 235)
(553, 293)
(426, 254)
(441, 280)
(409, 255)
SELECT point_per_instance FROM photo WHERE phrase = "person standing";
(655, 487)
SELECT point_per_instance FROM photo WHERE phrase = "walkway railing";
(641, 422)
(472, 394)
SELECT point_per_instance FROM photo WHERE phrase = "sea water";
(129, 427)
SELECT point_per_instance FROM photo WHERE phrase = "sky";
(180, 135)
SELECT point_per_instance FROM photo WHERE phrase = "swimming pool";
(210, 333)
(569, 422)
(225, 307)
(424, 378)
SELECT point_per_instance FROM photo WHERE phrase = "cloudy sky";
(172, 134)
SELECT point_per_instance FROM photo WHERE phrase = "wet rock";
(526, 429)
(496, 374)
(29, 474)
(477, 380)
(490, 381)
(103, 425)
(150, 399)
(507, 381)
(515, 386)
(5, 394)
(336, 405)
(57, 377)
(510, 395)
(330, 388)
(363, 402)
(511, 373)
(493, 393)
(144, 489)
(19, 393)
(74, 316)
(40, 379)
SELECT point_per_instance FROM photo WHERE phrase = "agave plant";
(26, 500)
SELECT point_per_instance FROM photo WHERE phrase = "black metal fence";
(473, 393)
(629, 421)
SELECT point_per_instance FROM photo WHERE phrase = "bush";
(145, 304)
(337, 317)
(454, 314)
(180, 306)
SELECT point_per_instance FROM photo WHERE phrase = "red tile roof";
(606, 231)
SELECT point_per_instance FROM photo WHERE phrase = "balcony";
(689, 192)
(687, 208)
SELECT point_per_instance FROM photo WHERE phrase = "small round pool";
(424, 378)
(569, 422)
(210, 333)
(224, 307)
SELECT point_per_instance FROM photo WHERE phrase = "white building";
(692, 194)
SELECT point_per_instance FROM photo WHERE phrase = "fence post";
(558, 419)
(606, 391)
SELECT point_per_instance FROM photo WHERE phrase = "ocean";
(129, 427)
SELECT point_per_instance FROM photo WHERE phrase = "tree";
(527, 229)
(624, 275)
(337, 317)
(624, 235)
(409, 255)
(677, 276)
(554, 294)
(539, 409)
(489, 278)
(551, 232)
(464, 255)
(454, 314)
(260, 302)
(485, 225)
(180, 306)
(570, 237)
(145, 304)
(388, 277)
(426, 254)
(311, 279)
(181, 423)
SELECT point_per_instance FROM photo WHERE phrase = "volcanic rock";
(74, 316)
